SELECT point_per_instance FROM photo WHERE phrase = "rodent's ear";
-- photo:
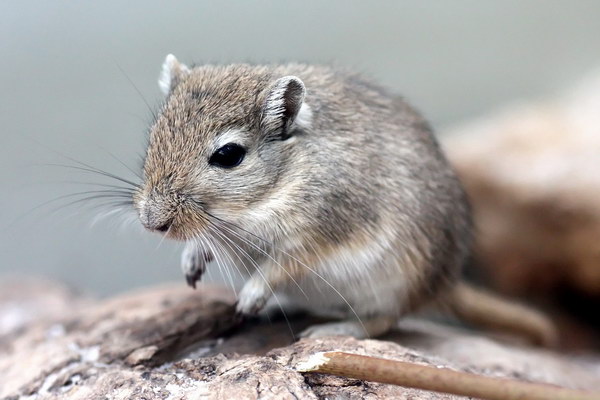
(285, 107)
(171, 73)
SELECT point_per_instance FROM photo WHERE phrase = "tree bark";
(171, 342)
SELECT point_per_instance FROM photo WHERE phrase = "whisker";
(86, 200)
(221, 266)
(273, 259)
(137, 90)
(117, 206)
(215, 231)
(83, 164)
(137, 174)
(129, 189)
(100, 194)
(115, 209)
(162, 239)
(219, 243)
(337, 292)
(223, 279)
(264, 279)
(94, 170)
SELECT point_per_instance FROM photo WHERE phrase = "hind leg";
(281, 306)
(372, 327)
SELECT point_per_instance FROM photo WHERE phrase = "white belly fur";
(365, 281)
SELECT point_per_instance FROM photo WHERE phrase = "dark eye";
(228, 156)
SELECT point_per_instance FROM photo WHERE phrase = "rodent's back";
(374, 165)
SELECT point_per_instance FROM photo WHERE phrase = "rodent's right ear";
(171, 73)
(285, 107)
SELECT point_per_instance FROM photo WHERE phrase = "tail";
(495, 313)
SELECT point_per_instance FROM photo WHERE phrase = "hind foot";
(369, 328)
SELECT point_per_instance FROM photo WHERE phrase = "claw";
(193, 263)
(191, 279)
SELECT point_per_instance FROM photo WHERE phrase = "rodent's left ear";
(171, 73)
(285, 107)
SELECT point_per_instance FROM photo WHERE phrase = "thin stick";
(435, 379)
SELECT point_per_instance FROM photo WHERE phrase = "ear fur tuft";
(284, 103)
(171, 73)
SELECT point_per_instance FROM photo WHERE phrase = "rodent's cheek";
(226, 214)
(184, 231)
(188, 224)
(229, 193)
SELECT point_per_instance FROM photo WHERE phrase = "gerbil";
(318, 184)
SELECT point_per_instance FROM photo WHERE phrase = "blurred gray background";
(66, 92)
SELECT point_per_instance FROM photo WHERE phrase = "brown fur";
(366, 170)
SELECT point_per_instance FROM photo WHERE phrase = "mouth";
(154, 224)
(163, 228)
(176, 222)
(171, 231)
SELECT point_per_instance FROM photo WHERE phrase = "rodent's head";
(221, 144)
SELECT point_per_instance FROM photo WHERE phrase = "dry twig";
(435, 379)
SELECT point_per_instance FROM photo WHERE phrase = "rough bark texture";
(174, 343)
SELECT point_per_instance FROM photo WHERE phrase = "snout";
(169, 214)
(154, 218)
(156, 225)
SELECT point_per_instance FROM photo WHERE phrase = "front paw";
(253, 297)
(193, 263)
